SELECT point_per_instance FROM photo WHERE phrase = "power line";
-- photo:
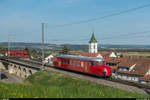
(103, 17)
(105, 38)
(125, 35)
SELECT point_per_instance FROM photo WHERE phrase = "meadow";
(49, 84)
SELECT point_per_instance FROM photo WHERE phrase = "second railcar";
(91, 65)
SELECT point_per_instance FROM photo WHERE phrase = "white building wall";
(148, 72)
(123, 69)
(100, 56)
(124, 77)
(143, 82)
(128, 77)
(112, 55)
(136, 79)
(93, 48)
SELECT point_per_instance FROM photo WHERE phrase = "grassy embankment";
(49, 84)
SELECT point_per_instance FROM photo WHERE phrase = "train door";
(86, 66)
(59, 62)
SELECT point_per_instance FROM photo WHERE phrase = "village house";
(134, 69)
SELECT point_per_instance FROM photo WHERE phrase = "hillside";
(84, 47)
(50, 84)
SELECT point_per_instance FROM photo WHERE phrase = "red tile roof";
(129, 73)
(145, 78)
(103, 54)
(141, 67)
(113, 60)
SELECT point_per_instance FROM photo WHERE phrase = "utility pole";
(43, 46)
(8, 44)
(0, 73)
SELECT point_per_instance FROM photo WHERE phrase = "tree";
(65, 50)
(2, 50)
(121, 55)
(28, 52)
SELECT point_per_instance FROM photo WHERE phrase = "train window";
(101, 63)
(82, 64)
(67, 61)
(70, 62)
(64, 61)
(78, 63)
(96, 63)
(19, 54)
(12, 55)
(74, 62)
(91, 63)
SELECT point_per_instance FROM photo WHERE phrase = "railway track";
(138, 85)
(109, 79)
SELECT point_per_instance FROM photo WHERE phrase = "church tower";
(93, 44)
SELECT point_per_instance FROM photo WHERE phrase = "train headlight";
(105, 71)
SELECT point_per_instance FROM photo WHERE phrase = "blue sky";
(22, 20)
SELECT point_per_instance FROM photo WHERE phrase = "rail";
(139, 85)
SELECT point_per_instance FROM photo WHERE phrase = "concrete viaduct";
(19, 68)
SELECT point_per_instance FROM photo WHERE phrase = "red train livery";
(91, 65)
(17, 53)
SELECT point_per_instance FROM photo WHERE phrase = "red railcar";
(91, 65)
(17, 53)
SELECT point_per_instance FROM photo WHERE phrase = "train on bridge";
(17, 54)
(91, 65)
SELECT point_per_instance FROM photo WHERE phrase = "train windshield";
(97, 63)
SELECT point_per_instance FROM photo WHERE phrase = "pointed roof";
(93, 40)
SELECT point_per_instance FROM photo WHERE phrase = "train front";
(100, 68)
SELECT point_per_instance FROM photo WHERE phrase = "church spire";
(93, 40)
(93, 44)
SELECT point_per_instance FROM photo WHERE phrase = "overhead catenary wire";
(105, 38)
(103, 17)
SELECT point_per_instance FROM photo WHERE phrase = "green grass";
(50, 84)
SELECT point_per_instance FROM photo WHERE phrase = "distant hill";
(83, 47)
(124, 46)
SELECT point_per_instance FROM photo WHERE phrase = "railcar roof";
(81, 57)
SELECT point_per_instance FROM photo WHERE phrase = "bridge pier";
(20, 70)
(2, 66)
(10, 68)
(24, 73)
